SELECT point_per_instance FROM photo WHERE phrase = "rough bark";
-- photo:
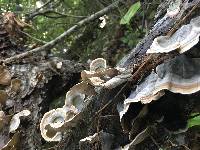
(161, 27)
(50, 82)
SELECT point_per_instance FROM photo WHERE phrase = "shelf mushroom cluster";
(179, 75)
(182, 40)
(57, 120)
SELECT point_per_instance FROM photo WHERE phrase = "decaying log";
(43, 81)
(89, 115)
(41, 84)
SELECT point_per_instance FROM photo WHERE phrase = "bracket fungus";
(117, 80)
(56, 118)
(98, 64)
(179, 75)
(99, 73)
(77, 94)
(15, 121)
(182, 40)
(97, 68)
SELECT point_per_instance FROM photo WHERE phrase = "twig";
(28, 35)
(36, 12)
(154, 141)
(109, 116)
(107, 104)
(143, 65)
(187, 148)
(48, 2)
(60, 38)
(59, 15)
(191, 117)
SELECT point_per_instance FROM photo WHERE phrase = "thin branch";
(60, 38)
(66, 15)
(38, 40)
(44, 5)
(47, 3)
(36, 12)
(112, 100)
(59, 15)
(154, 141)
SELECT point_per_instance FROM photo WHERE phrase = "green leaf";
(131, 12)
(194, 121)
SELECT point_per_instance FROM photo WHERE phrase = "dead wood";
(47, 81)
(84, 127)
